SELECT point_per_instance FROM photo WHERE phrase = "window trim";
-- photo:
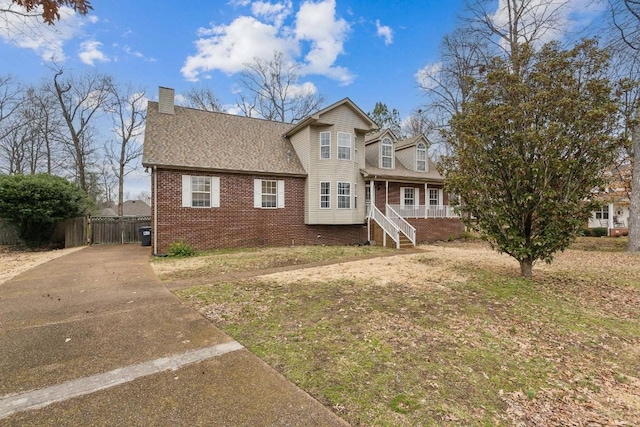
(602, 213)
(343, 197)
(350, 146)
(257, 194)
(328, 195)
(269, 195)
(418, 161)
(388, 144)
(187, 191)
(403, 197)
(438, 197)
(322, 146)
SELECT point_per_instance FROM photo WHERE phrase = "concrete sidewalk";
(93, 338)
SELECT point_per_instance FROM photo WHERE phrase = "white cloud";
(428, 75)
(306, 88)
(228, 47)
(127, 49)
(275, 13)
(550, 19)
(385, 32)
(315, 30)
(90, 52)
(31, 33)
(317, 24)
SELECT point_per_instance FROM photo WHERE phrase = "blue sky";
(368, 51)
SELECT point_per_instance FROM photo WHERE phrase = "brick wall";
(436, 229)
(236, 223)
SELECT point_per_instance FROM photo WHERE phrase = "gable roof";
(411, 142)
(197, 139)
(370, 138)
(316, 119)
(400, 173)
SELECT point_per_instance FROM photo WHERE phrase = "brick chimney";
(165, 100)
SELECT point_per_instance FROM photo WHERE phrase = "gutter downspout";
(155, 210)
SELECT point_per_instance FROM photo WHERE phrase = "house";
(129, 208)
(615, 199)
(220, 180)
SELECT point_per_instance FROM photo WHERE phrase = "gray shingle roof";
(401, 173)
(196, 139)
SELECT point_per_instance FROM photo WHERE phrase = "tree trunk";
(634, 204)
(526, 267)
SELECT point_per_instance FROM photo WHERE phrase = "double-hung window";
(434, 197)
(344, 195)
(602, 213)
(421, 157)
(268, 193)
(200, 191)
(409, 197)
(386, 155)
(325, 195)
(344, 146)
(325, 145)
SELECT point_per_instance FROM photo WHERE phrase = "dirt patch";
(15, 261)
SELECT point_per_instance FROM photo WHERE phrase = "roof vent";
(166, 99)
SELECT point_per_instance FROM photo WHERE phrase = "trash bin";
(145, 236)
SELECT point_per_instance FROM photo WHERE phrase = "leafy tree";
(50, 8)
(34, 203)
(386, 119)
(528, 147)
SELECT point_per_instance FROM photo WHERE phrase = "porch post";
(386, 196)
(426, 200)
(372, 192)
(610, 219)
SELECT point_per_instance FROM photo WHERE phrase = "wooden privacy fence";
(88, 230)
(9, 234)
(109, 230)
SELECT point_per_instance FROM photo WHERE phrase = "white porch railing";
(406, 228)
(424, 211)
(389, 227)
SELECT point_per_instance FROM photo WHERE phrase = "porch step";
(405, 243)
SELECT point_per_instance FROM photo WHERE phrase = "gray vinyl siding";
(343, 119)
(300, 142)
(373, 154)
(407, 156)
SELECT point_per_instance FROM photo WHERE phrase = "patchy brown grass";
(449, 336)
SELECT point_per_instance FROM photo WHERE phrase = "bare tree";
(625, 42)
(10, 101)
(203, 99)
(273, 92)
(80, 101)
(418, 123)
(128, 111)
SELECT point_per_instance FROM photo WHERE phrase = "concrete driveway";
(93, 338)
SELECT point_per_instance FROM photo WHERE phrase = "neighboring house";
(220, 180)
(129, 208)
(614, 211)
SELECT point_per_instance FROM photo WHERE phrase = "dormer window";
(386, 155)
(421, 157)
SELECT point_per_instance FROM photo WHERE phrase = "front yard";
(446, 336)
